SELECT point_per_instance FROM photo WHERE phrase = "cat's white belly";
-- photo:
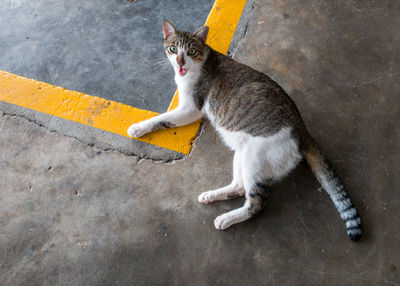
(234, 140)
(274, 156)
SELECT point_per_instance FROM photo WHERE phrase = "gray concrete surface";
(72, 214)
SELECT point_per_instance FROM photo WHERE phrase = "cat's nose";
(180, 60)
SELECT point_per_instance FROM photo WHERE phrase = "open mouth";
(182, 71)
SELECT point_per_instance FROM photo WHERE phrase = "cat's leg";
(180, 116)
(256, 180)
(255, 198)
(233, 190)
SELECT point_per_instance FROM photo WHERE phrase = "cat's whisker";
(163, 67)
(163, 63)
(162, 60)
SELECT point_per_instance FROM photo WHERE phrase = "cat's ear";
(201, 34)
(168, 29)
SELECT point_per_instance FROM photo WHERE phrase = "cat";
(255, 118)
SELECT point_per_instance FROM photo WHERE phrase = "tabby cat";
(255, 118)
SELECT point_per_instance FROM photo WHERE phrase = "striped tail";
(332, 185)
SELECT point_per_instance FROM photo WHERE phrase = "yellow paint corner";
(110, 115)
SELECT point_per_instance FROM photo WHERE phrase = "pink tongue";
(182, 71)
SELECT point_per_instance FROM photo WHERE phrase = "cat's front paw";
(223, 221)
(137, 130)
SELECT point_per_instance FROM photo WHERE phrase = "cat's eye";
(172, 49)
(191, 51)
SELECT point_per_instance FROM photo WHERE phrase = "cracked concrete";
(93, 136)
(242, 27)
(72, 214)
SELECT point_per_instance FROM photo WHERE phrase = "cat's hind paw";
(223, 221)
(206, 197)
(136, 130)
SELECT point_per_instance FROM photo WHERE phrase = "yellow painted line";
(113, 116)
(90, 110)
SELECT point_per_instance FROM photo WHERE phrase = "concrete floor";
(72, 214)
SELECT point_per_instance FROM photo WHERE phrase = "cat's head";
(186, 51)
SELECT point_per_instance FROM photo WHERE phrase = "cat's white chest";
(186, 85)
